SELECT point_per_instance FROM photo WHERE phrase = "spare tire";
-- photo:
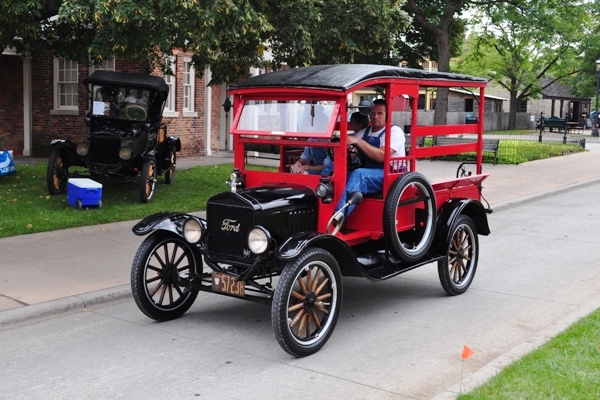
(410, 193)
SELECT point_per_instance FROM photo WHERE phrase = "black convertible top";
(128, 79)
(343, 76)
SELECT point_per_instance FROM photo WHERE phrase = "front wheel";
(147, 181)
(162, 261)
(57, 173)
(457, 269)
(307, 302)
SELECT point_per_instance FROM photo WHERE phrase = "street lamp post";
(595, 121)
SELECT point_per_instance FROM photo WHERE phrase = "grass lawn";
(567, 367)
(26, 206)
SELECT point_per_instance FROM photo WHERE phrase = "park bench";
(555, 122)
(489, 145)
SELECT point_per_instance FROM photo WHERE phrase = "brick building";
(44, 99)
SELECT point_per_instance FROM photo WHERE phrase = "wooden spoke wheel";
(57, 174)
(410, 198)
(457, 269)
(307, 302)
(147, 181)
(163, 260)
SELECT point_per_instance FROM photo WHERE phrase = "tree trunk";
(443, 49)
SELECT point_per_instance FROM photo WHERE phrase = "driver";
(371, 141)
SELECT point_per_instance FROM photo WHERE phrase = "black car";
(127, 141)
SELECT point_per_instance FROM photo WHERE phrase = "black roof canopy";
(128, 79)
(343, 76)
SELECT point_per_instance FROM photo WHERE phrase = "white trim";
(101, 68)
(27, 123)
(171, 81)
(188, 111)
(57, 106)
(207, 112)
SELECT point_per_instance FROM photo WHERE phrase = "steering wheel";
(356, 157)
(133, 112)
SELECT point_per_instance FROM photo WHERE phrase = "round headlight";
(192, 231)
(125, 153)
(82, 149)
(258, 240)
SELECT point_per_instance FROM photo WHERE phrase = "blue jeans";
(364, 180)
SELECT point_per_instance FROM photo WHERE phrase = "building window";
(105, 65)
(188, 86)
(171, 80)
(65, 84)
(468, 105)
(522, 106)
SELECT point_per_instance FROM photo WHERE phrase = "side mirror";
(227, 105)
(365, 107)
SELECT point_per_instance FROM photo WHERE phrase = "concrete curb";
(526, 199)
(82, 302)
(63, 306)
(491, 369)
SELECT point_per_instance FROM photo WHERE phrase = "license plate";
(225, 283)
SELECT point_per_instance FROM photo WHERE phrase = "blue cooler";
(84, 192)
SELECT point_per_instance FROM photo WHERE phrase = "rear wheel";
(457, 269)
(147, 181)
(57, 173)
(410, 217)
(163, 260)
(307, 302)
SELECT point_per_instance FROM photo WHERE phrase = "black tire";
(411, 191)
(302, 318)
(147, 181)
(78, 204)
(170, 174)
(457, 269)
(162, 260)
(57, 174)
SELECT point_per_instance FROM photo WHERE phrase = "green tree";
(515, 46)
(229, 36)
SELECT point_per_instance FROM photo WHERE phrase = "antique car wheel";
(170, 174)
(162, 260)
(410, 191)
(57, 174)
(307, 302)
(147, 181)
(457, 269)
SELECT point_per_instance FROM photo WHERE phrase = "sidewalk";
(60, 271)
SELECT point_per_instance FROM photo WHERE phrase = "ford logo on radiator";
(230, 225)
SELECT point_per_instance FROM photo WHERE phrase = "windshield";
(120, 103)
(307, 118)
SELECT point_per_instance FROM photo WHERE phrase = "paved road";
(399, 339)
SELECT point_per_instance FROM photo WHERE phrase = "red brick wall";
(11, 104)
(47, 126)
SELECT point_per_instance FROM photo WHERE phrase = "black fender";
(174, 143)
(340, 250)
(69, 149)
(166, 221)
(450, 211)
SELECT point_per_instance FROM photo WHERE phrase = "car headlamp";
(125, 153)
(82, 149)
(258, 240)
(324, 190)
(192, 231)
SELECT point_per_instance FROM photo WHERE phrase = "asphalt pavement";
(45, 274)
